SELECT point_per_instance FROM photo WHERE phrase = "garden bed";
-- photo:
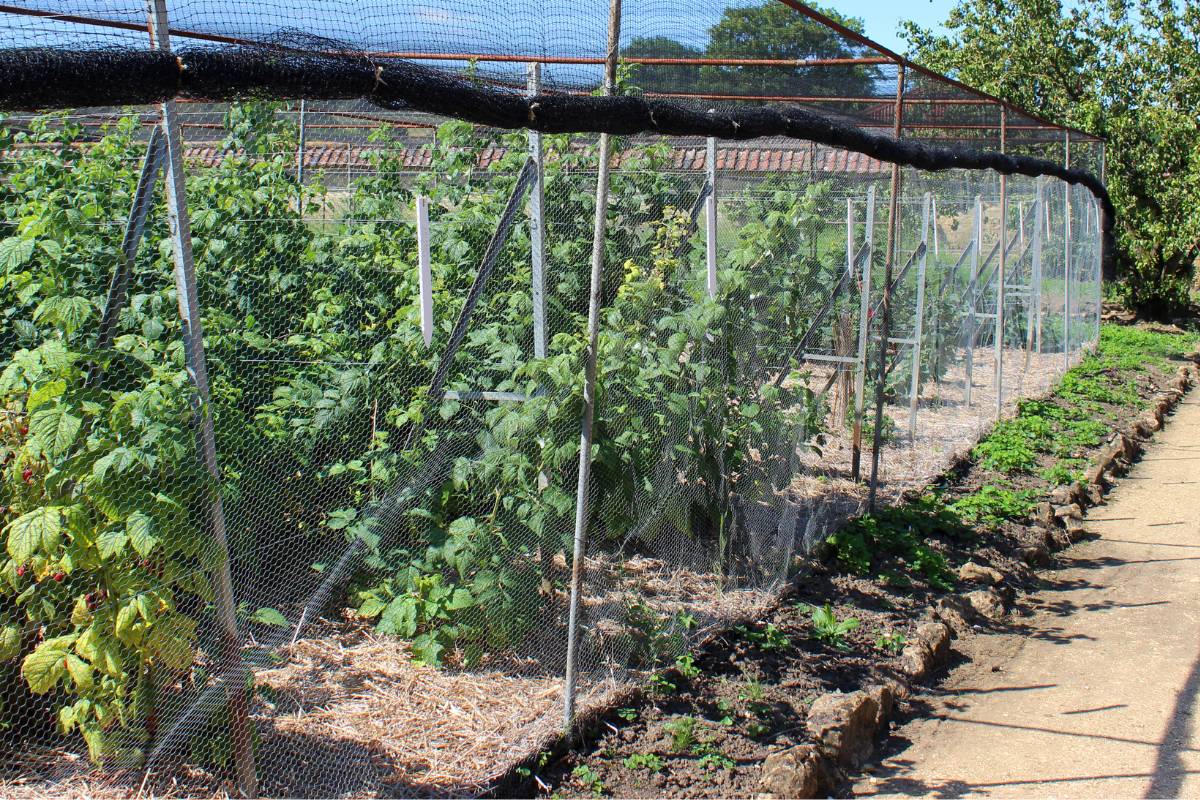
(747, 693)
(348, 713)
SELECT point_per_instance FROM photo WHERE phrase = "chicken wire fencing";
(294, 389)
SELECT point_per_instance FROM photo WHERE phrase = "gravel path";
(1096, 692)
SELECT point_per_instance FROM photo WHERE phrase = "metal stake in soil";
(579, 549)
(193, 345)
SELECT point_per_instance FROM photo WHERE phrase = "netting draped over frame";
(296, 364)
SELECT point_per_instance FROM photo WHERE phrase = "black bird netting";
(291, 438)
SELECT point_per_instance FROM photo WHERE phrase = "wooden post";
(1066, 255)
(1035, 290)
(231, 669)
(710, 218)
(886, 309)
(1001, 275)
(537, 222)
(424, 270)
(300, 148)
(973, 298)
(914, 386)
(864, 332)
(579, 549)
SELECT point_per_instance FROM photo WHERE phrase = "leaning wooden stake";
(193, 346)
(579, 549)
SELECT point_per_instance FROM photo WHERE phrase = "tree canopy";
(769, 30)
(1127, 70)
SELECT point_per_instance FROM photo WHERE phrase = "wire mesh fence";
(394, 310)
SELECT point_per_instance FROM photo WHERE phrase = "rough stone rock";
(1162, 404)
(1069, 511)
(799, 771)
(936, 635)
(1044, 515)
(916, 660)
(1129, 447)
(977, 573)
(987, 603)
(844, 726)
(1095, 494)
(1065, 495)
(1035, 555)
(1075, 529)
(1095, 474)
(955, 612)
(885, 701)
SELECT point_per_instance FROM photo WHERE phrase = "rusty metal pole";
(886, 309)
(231, 670)
(579, 550)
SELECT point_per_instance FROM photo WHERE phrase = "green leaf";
(15, 251)
(460, 600)
(80, 672)
(400, 617)
(44, 666)
(426, 649)
(111, 543)
(269, 616)
(44, 393)
(10, 642)
(54, 429)
(171, 640)
(125, 628)
(140, 528)
(41, 527)
(371, 607)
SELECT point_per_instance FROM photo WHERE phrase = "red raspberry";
(59, 576)
(27, 474)
(21, 571)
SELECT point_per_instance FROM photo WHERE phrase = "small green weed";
(712, 759)
(651, 762)
(662, 685)
(827, 628)
(891, 643)
(683, 733)
(687, 667)
(589, 778)
(627, 714)
(768, 639)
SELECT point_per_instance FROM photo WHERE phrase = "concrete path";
(1097, 693)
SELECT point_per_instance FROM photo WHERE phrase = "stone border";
(849, 726)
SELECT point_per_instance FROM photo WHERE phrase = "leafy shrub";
(901, 534)
(992, 505)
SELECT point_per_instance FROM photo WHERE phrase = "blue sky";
(882, 17)
(566, 26)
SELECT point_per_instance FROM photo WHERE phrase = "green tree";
(1127, 70)
(774, 30)
(664, 77)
